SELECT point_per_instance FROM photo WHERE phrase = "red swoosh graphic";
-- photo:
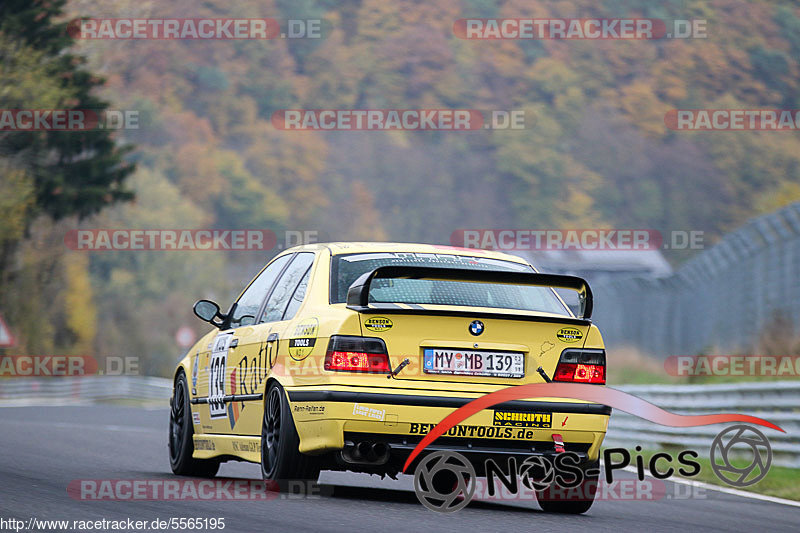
(616, 399)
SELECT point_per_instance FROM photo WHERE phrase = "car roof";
(340, 248)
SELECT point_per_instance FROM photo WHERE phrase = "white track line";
(726, 490)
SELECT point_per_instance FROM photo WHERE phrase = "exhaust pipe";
(380, 451)
(362, 450)
(366, 452)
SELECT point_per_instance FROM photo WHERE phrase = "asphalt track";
(45, 448)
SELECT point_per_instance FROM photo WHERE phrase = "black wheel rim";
(271, 433)
(177, 421)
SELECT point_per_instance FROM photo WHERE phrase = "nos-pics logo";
(722, 455)
(740, 456)
(445, 481)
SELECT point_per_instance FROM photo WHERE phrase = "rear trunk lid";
(470, 326)
(481, 346)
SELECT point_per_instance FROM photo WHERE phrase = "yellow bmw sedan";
(343, 356)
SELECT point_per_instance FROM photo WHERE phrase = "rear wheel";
(577, 500)
(181, 430)
(280, 458)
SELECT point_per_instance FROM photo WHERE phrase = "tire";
(181, 430)
(280, 459)
(572, 501)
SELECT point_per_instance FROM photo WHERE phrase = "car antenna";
(542, 373)
(399, 368)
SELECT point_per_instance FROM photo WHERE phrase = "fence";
(722, 298)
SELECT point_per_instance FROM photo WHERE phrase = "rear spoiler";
(358, 293)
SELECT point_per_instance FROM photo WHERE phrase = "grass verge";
(780, 481)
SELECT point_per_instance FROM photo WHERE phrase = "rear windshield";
(345, 269)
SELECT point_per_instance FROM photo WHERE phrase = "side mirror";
(207, 310)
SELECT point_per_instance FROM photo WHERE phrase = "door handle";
(272, 337)
(234, 343)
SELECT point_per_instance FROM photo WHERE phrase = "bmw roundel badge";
(476, 327)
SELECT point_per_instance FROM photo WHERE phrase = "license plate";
(472, 363)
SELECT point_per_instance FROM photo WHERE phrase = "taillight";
(581, 366)
(357, 354)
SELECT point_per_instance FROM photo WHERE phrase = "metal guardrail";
(775, 401)
(778, 402)
(83, 389)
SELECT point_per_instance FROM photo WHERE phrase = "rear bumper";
(453, 402)
(330, 419)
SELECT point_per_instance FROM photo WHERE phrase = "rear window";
(345, 269)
